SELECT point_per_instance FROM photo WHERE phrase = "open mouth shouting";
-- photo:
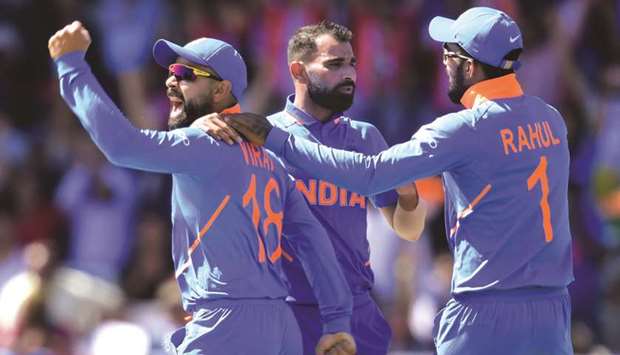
(176, 105)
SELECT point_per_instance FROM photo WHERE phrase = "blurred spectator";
(546, 51)
(14, 147)
(36, 219)
(98, 200)
(610, 312)
(10, 254)
(607, 187)
(278, 21)
(24, 326)
(160, 316)
(432, 292)
(608, 173)
(77, 302)
(150, 263)
(130, 29)
(120, 338)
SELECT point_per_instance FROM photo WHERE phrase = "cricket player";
(323, 68)
(230, 204)
(505, 163)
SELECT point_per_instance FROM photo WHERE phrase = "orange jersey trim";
(202, 232)
(207, 226)
(233, 109)
(504, 87)
(469, 209)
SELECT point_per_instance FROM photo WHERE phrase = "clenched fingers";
(73, 37)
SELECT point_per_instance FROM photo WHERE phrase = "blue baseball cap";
(218, 55)
(486, 34)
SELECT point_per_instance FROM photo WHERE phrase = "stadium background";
(84, 247)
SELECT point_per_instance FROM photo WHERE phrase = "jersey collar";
(303, 117)
(232, 109)
(504, 87)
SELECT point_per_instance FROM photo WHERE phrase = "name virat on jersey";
(256, 156)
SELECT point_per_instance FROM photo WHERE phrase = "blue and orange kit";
(341, 212)
(504, 161)
(231, 206)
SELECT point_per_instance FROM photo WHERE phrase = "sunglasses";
(187, 73)
(450, 54)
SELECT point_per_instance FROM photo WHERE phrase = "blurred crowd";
(85, 262)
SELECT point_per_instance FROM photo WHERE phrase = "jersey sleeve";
(373, 143)
(177, 151)
(439, 146)
(316, 254)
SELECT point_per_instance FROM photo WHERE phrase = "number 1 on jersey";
(540, 175)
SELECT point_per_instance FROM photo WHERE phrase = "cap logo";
(514, 39)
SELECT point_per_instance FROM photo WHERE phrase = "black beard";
(191, 112)
(458, 88)
(332, 99)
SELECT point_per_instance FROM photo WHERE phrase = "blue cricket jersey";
(230, 206)
(505, 165)
(341, 212)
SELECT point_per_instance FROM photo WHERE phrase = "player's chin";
(177, 121)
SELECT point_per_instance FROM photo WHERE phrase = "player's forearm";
(322, 269)
(408, 222)
(361, 173)
(406, 217)
(108, 128)
(330, 287)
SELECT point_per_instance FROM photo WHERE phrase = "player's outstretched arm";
(121, 143)
(436, 147)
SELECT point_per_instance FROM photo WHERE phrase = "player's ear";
(473, 68)
(222, 90)
(298, 71)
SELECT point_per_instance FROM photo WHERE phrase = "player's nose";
(171, 81)
(350, 73)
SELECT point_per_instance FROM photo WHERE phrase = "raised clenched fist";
(71, 38)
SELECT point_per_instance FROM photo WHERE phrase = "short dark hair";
(494, 72)
(303, 42)
(491, 71)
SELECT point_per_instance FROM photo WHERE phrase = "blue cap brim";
(440, 29)
(166, 53)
